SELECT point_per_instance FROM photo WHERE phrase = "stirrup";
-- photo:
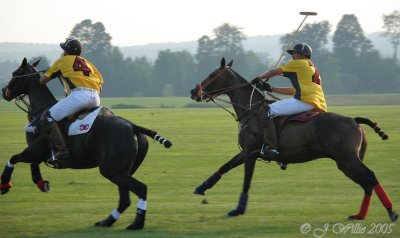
(268, 153)
(283, 166)
(53, 162)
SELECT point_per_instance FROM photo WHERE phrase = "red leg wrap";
(385, 200)
(5, 186)
(364, 207)
(40, 183)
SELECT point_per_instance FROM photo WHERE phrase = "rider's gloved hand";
(255, 81)
(265, 86)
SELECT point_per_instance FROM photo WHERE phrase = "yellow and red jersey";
(306, 82)
(76, 72)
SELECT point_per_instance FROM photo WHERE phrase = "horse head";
(215, 84)
(21, 77)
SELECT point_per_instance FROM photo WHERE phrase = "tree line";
(348, 63)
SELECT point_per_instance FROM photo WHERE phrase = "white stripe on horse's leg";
(142, 204)
(10, 165)
(115, 214)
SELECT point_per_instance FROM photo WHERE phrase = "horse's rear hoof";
(43, 185)
(235, 213)
(109, 221)
(134, 227)
(393, 216)
(356, 217)
(138, 224)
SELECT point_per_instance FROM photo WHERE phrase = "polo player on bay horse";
(307, 95)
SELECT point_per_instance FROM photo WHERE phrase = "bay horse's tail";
(149, 133)
(373, 125)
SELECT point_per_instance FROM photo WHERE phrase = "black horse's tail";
(373, 125)
(152, 134)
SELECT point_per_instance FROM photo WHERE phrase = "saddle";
(82, 121)
(281, 121)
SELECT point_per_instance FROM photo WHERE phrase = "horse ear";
(24, 63)
(36, 63)
(230, 63)
(222, 63)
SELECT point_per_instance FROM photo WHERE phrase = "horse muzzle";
(196, 94)
(6, 94)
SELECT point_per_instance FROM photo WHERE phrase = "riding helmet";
(72, 46)
(301, 48)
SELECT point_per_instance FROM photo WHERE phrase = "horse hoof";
(355, 217)
(138, 224)
(109, 221)
(235, 213)
(43, 185)
(5, 188)
(198, 192)
(393, 216)
(135, 226)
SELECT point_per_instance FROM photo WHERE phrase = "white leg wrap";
(115, 214)
(10, 165)
(142, 204)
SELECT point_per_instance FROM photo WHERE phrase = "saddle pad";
(303, 117)
(82, 126)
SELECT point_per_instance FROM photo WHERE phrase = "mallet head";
(308, 13)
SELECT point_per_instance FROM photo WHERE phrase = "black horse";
(326, 135)
(114, 144)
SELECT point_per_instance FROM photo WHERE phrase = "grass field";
(280, 202)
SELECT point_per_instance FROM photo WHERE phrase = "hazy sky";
(136, 22)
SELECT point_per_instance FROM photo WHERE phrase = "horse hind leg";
(124, 203)
(125, 181)
(366, 178)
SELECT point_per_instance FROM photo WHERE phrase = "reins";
(213, 95)
(24, 75)
(20, 98)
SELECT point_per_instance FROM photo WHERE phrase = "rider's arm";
(44, 79)
(270, 73)
(282, 90)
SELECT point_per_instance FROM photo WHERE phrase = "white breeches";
(78, 99)
(289, 106)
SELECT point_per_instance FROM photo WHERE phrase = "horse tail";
(149, 133)
(373, 125)
(152, 134)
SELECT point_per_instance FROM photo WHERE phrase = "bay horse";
(114, 144)
(327, 135)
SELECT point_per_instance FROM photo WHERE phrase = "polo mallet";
(306, 14)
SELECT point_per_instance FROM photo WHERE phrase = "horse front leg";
(215, 177)
(37, 178)
(5, 183)
(32, 155)
(249, 164)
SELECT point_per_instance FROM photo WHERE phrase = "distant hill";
(264, 43)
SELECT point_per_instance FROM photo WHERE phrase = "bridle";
(214, 94)
(20, 99)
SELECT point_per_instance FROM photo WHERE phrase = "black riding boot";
(60, 147)
(269, 148)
